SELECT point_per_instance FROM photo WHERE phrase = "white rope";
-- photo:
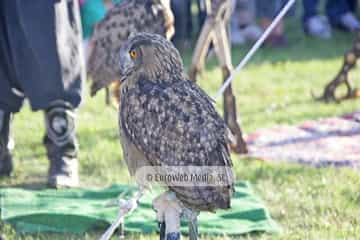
(256, 46)
(126, 207)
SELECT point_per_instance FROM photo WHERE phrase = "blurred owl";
(167, 120)
(130, 16)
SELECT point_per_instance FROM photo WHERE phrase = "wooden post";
(214, 31)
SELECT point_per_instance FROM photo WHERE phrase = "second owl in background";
(130, 16)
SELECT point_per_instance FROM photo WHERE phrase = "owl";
(130, 16)
(167, 120)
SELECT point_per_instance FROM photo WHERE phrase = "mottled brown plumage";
(130, 16)
(167, 120)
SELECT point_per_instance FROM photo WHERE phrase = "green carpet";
(79, 210)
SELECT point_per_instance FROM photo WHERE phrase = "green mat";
(79, 210)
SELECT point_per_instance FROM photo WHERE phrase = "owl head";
(151, 57)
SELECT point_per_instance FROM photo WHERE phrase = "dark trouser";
(202, 13)
(41, 60)
(5, 157)
(40, 53)
(183, 20)
(270, 8)
(334, 9)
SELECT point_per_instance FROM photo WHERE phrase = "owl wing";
(177, 125)
(121, 20)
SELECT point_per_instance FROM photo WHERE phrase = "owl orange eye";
(133, 54)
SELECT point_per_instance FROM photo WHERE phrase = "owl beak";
(123, 62)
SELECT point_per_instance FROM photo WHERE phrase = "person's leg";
(335, 9)
(6, 164)
(341, 16)
(202, 13)
(314, 24)
(189, 23)
(48, 52)
(310, 9)
(61, 145)
(10, 102)
(267, 11)
(51, 77)
(243, 25)
(179, 9)
(353, 4)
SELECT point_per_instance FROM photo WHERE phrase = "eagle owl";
(130, 16)
(167, 120)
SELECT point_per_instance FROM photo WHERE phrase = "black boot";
(6, 164)
(61, 145)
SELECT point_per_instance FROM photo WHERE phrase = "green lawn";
(273, 89)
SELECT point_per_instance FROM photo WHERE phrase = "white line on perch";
(256, 46)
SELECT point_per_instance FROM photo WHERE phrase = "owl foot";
(169, 211)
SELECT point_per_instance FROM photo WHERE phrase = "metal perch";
(169, 212)
(125, 207)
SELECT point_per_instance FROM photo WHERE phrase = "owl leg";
(168, 211)
(342, 77)
(61, 145)
(223, 52)
(116, 93)
(107, 96)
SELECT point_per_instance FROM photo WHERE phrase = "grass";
(273, 89)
